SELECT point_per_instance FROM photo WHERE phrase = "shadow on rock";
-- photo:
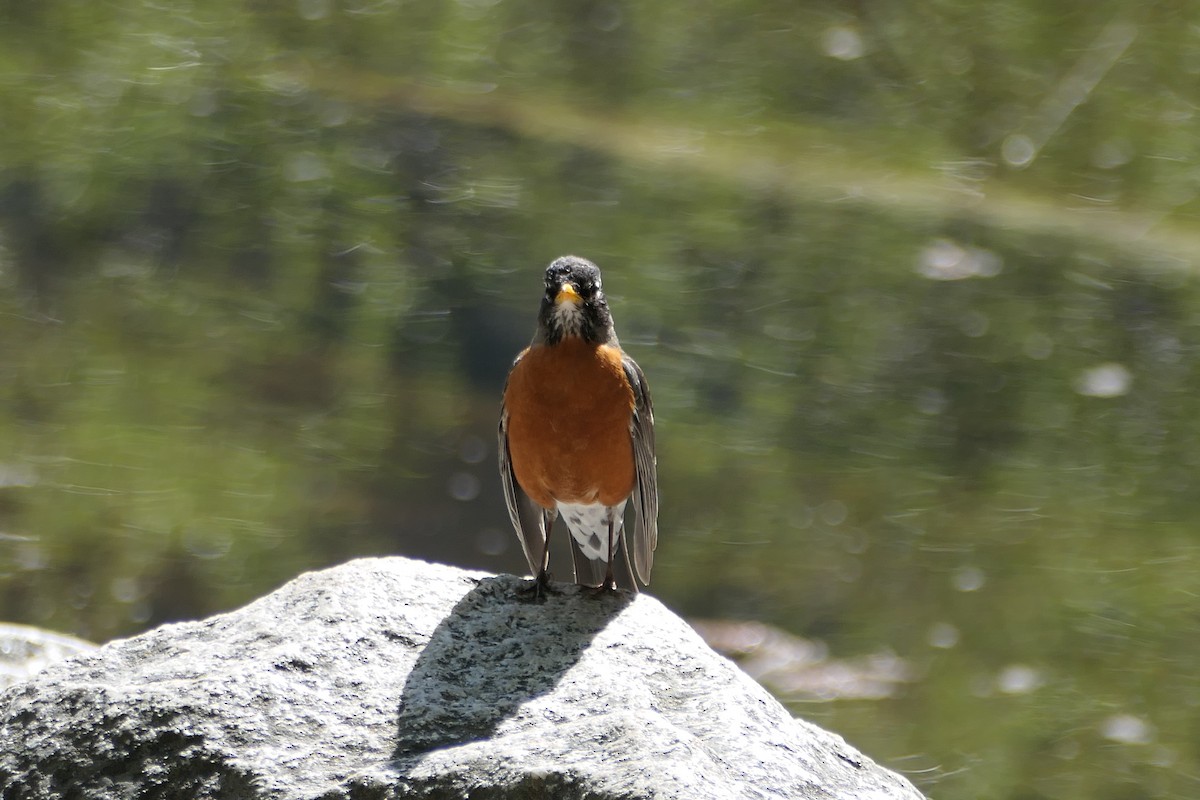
(493, 652)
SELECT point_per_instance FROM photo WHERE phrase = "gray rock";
(390, 678)
(25, 651)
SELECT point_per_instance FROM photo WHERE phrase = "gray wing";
(527, 518)
(645, 493)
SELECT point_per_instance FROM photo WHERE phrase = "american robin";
(577, 436)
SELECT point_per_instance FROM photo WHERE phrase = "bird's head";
(574, 303)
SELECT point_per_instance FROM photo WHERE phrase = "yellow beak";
(567, 294)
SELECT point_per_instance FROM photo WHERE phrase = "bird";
(576, 438)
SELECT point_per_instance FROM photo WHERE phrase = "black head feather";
(574, 304)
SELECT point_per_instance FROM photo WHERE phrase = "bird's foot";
(538, 588)
(606, 589)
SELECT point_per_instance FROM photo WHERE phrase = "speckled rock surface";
(391, 678)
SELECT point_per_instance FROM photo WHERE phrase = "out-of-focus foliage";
(912, 283)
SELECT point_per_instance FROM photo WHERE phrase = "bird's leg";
(541, 581)
(543, 576)
(610, 583)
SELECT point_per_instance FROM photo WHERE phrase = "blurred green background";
(913, 284)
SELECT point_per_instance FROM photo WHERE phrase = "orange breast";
(569, 409)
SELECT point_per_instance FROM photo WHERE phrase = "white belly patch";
(589, 526)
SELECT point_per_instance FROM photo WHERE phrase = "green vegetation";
(913, 285)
